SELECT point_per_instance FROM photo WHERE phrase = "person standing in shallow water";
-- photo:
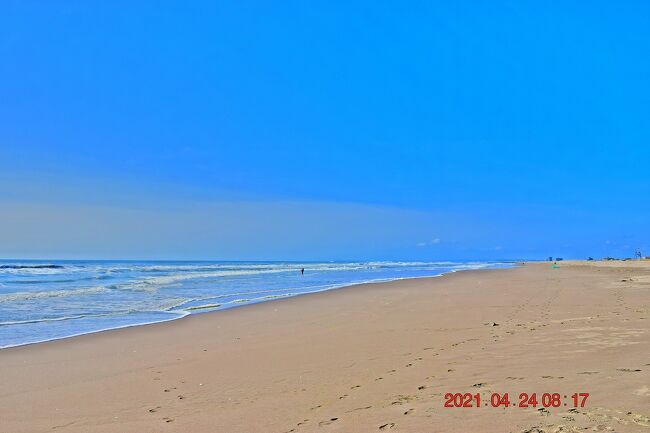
(302, 271)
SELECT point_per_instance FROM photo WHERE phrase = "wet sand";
(369, 358)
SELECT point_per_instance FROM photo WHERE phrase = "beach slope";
(369, 358)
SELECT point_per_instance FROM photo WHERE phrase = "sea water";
(46, 300)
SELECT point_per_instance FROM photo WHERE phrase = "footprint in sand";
(619, 416)
(639, 419)
(155, 409)
(330, 421)
(387, 426)
(359, 408)
(628, 370)
(168, 419)
(343, 396)
(408, 412)
(63, 425)
(402, 399)
(355, 387)
(533, 430)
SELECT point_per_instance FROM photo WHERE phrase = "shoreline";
(184, 314)
(380, 357)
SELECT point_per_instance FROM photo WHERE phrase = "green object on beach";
(555, 266)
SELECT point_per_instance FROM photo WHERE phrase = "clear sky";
(324, 130)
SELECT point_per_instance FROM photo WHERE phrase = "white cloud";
(434, 241)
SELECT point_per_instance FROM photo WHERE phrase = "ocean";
(47, 300)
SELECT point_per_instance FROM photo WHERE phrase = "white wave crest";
(152, 284)
(25, 296)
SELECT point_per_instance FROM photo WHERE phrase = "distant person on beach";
(302, 271)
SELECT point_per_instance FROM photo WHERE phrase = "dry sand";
(369, 358)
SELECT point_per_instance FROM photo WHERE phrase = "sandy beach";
(368, 358)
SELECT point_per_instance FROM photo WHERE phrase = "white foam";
(25, 296)
(175, 315)
(151, 284)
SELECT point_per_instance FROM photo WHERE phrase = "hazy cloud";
(434, 241)
(242, 230)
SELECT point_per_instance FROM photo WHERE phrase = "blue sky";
(324, 130)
